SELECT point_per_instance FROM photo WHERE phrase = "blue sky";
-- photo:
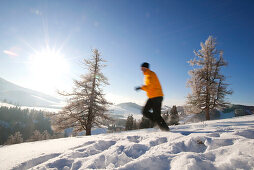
(163, 33)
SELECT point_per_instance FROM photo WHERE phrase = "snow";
(6, 105)
(219, 144)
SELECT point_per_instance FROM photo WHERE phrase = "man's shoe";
(163, 126)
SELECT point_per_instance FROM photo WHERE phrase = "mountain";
(123, 110)
(18, 95)
(129, 105)
(217, 144)
(231, 111)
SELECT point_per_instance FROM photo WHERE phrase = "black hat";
(146, 65)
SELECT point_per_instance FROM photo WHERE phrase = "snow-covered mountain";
(218, 144)
(15, 94)
(123, 110)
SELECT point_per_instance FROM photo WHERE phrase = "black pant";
(155, 116)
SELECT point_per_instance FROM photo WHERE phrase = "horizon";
(114, 104)
(62, 33)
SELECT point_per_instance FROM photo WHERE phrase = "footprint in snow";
(214, 135)
(196, 145)
(36, 161)
(134, 139)
(246, 133)
(60, 164)
(158, 141)
(135, 150)
(83, 145)
(94, 149)
(217, 143)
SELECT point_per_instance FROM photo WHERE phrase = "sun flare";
(48, 63)
(48, 66)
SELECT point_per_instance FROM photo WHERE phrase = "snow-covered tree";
(10, 140)
(174, 117)
(207, 82)
(45, 135)
(36, 136)
(14, 139)
(86, 105)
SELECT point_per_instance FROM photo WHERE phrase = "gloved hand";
(137, 88)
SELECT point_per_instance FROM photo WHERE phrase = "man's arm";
(148, 83)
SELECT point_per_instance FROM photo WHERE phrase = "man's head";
(144, 66)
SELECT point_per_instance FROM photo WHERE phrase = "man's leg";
(157, 113)
(146, 110)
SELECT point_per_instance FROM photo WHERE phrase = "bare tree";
(86, 105)
(207, 82)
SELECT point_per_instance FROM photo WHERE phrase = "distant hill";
(123, 110)
(231, 111)
(129, 105)
(12, 93)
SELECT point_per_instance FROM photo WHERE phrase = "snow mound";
(220, 144)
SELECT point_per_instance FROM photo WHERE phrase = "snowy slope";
(220, 144)
(26, 97)
(123, 110)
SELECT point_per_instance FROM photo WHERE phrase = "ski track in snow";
(222, 144)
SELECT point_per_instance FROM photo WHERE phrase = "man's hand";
(137, 88)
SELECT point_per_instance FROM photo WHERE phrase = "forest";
(25, 124)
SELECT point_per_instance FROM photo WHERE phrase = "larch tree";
(207, 82)
(86, 105)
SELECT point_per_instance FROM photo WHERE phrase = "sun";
(48, 66)
(48, 62)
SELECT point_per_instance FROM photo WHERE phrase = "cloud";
(10, 53)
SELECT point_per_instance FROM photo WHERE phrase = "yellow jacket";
(152, 84)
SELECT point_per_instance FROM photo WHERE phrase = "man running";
(155, 96)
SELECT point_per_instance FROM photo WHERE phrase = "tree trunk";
(207, 115)
(88, 130)
(90, 112)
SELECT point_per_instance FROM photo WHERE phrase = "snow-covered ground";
(221, 144)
